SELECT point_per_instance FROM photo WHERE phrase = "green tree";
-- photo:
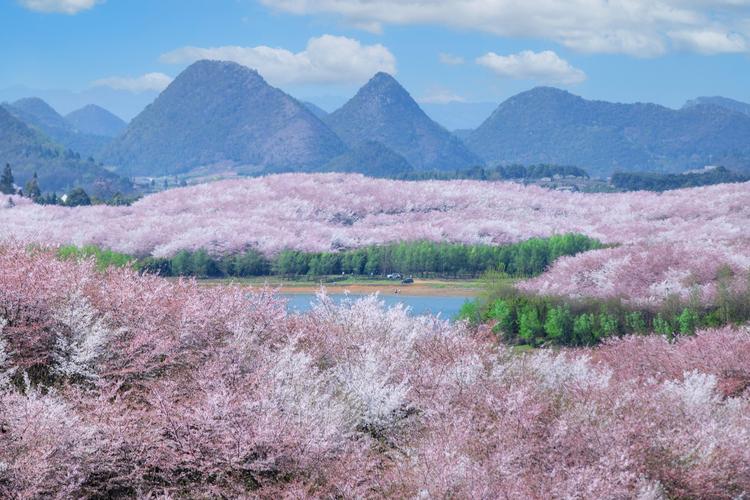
(502, 312)
(663, 327)
(529, 324)
(77, 197)
(635, 322)
(559, 324)
(6, 181)
(583, 329)
(608, 325)
(32, 188)
(688, 321)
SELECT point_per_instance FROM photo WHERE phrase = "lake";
(447, 306)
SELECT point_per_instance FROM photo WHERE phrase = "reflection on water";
(447, 307)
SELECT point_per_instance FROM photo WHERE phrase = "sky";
(449, 54)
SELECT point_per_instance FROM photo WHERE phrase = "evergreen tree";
(6, 181)
(32, 188)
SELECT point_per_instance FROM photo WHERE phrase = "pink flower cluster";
(665, 239)
(117, 384)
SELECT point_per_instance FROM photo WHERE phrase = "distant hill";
(722, 102)
(316, 110)
(36, 113)
(647, 181)
(95, 120)
(223, 113)
(59, 169)
(383, 111)
(370, 158)
(547, 125)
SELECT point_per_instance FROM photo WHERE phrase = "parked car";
(394, 276)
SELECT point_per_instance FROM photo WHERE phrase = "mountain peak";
(383, 111)
(219, 112)
(95, 120)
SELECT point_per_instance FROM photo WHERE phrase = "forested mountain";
(722, 102)
(383, 111)
(95, 120)
(223, 113)
(36, 113)
(547, 125)
(27, 151)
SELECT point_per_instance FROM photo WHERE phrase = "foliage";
(6, 181)
(125, 385)
(77, 197)
(521, 318)
(104, 258)
(499, 173)
(638, 181)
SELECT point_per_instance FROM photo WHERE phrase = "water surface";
(447, 306)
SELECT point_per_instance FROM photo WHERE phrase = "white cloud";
(326, 59)
(640, 28)
(148, 82)
(60, 6)
(709, 42)
(544, 66)
(450, 59)
(441, 96)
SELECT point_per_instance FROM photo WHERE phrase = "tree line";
(527, 319)
(420, 258)
(647, 181)
(498, 173)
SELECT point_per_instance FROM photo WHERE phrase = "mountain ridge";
(383, 111)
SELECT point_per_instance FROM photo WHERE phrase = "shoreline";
(420, 288)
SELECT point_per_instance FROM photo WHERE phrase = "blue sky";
(119, 53)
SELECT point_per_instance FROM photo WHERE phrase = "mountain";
(95, 120)
(370, 158)
(59, 169)
(218, 112)
(722, 102)
(39, 115)
(547, 125)
(383, 111)
(316, 110)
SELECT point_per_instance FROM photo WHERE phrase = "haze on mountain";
(37, 114)
(548, 125)
(222, 113)
(383, 111)
(59, 169)
(722, 102)
(95, 120)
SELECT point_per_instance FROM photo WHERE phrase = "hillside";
(36, 113)
(722, 102)
(547, 125)
(95, 120)
(383, 111)
(370, 158)
(28, 151)
(223, 113)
